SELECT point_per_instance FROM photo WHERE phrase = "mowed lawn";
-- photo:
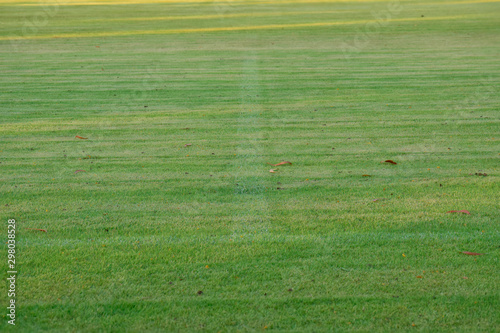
(175, 223)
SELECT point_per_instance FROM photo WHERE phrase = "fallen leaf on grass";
(389, 161)
(80, 137)
(42, 230)
(188, 144)
(419, 276)
(281, 163)
(273, 170)
(472, 253)
(479, 174)
(463, 211)
(77, 171)
(366, 175)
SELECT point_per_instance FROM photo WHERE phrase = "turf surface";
(176, 223)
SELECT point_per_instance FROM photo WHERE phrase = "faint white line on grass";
(230, 29)
(250, 189)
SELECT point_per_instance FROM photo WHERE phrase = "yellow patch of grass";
(204, 17)
(225, 29)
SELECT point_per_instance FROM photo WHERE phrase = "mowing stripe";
(221, 29)
(351, 2)
(178, 2)
(466, 2)
(203, 17)
(225, 3)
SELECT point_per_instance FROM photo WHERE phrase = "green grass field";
(184, 104)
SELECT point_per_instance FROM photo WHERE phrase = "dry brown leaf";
(281, 163)
(472, 253)
(42, 230)
(273, 170)
(80, 137)
(463, 211)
